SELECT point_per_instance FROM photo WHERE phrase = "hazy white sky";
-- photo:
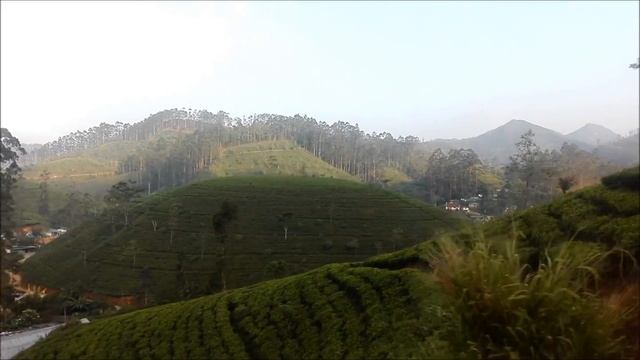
(430, 69)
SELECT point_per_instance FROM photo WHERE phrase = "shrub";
(507, 310)
(627, 179)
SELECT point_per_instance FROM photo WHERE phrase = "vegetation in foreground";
(477, 302)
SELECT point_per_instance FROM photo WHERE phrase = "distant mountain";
(497, 145)
(594, 134)
(623, 151)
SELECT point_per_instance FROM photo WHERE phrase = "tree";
(277, 268)
(227, 213)
(565, 183)
(283, 219)
(529, 173)
(146, 280)
(78, 208)
(220, 221)
(453, 175)
(174, 217)
(43, 204)
(10, 151)
(120, 198)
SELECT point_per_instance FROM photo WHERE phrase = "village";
(23, 243)
(470, 207)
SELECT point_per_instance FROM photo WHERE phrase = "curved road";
(11, 345)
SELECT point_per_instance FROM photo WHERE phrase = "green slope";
(281, 157)
(337, 311)
(390, 306)
(607, 214)
(331, 221)
(91, 171)
(27, 194)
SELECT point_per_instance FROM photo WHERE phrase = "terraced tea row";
(335, 312)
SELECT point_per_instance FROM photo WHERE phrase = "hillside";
(624, 151)
(394, 306)
(606, 214)
(338, 311)
(594, 134)
(326, 220)
(498, 144)
(281, 157)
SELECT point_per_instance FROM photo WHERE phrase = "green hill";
(470, 303)
(281, 157)
(94, 170)
(91, 171)
(338, 311)
(606, 214)
(326, 220)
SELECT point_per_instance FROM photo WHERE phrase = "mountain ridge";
(496, 145)
(594, 134)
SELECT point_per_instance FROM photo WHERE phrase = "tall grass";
(508, 310)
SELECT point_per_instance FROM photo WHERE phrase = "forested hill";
(107, 133)
(203, 135)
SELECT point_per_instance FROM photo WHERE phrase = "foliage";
(529, 174)
(10, 151)
(565, 183)
(454, 175)
(507, 310)
(78, 209)
(227, 213)
(119, 199)
(201, 136)
(628, 179)
(43, 204)
(598, 214)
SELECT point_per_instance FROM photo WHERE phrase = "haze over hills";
(498, 144)
(625, 151)
(594, 134)
(494, 145)
(174, 147)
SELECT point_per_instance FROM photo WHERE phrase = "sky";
(428, 69)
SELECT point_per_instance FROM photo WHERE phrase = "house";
(58, 232)
(30, 228)
(452, 205)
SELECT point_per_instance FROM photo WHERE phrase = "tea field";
(284, 226)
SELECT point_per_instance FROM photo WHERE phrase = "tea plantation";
(606, 214)
(284, 225)
(282, 157)
(338, 311)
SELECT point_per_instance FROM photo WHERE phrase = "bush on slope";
(607, 214)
